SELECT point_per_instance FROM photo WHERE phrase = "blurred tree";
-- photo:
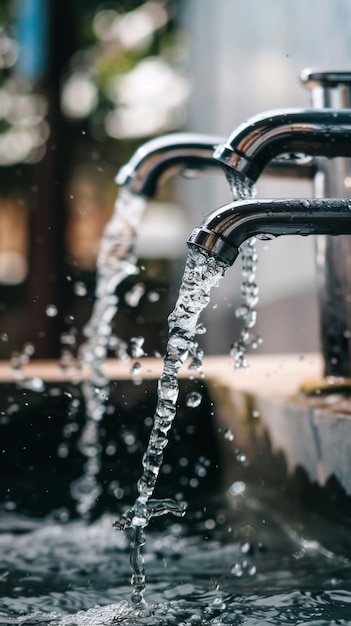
(87, 80)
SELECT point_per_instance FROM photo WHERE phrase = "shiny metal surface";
(312, 77)
(191, 154)
(224, 230)
(164, 157)
(262, 138)
(333, 256)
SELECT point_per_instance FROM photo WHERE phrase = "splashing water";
(243, 189)
(116, 261)
(202, 272)
(76, 574)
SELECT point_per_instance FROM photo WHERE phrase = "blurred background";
(82, 85)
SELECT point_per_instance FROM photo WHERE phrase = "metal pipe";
(165, 156)
(255, 143)
(223, 231)
(332, 89)
(191, 154)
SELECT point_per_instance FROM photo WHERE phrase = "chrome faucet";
(190, 154)
(163, 157)
(223, 231)
(318, 133)
(255, 143)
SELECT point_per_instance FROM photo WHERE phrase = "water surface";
(234, 561)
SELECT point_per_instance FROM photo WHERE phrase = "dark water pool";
(233, 563)
(239, 557)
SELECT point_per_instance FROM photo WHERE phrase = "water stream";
(116, 261)
(202, 272)
(243, 189)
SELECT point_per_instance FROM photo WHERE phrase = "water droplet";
(210, 524)
(241, 311)
(218, 603)
(200, 470)
(51, 310)
(252, 570)
(133, 297)
(194, 483)
(241, 457)
(246, 548)
(228, 434)
(80, 289)
(153, 296)
(111, 449)
(237, 570)
(200, 329)
(129, 439)
(34, 384)
(193, 399)
(28, 349)
(4, 337)
(237, 488)
(62, 451)
(137, 349)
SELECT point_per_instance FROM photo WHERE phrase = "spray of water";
(202, 272)
(116, 261)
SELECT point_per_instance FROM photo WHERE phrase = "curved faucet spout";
(165, 156)
(224, 230)
(262, 138)
(190, 154)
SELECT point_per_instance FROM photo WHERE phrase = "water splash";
(76, 574)
(202, 272)
(243, 189)
(116, 261)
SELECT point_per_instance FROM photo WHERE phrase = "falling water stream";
(116, 261)
(202, 272)
(243, 189)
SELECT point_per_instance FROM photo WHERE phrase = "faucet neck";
(262, 138)
(223, 231)
(165, 156)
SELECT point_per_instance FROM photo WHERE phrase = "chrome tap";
(262, 138)
(318, 133)
(223, 231)
(190, 154)
(165, 156)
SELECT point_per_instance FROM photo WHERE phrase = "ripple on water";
(214, 609)
(77, 574)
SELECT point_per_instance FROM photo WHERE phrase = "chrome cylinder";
(332, 90)
(224, 230)
(191, 155)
